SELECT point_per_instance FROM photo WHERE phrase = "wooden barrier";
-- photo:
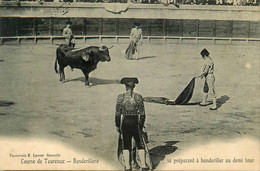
(102, 37)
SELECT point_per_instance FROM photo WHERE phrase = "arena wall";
(30, 19)
(15, 26)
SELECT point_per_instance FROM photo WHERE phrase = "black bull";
(85, 59)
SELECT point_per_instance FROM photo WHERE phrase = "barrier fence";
(116, 39)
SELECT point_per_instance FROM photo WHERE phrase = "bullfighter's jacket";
(130, 105)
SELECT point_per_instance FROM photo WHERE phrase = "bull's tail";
(55, 65)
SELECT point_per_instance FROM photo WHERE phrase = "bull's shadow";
(222, 100)
(94, 81)
(146, 57)
(158, 153)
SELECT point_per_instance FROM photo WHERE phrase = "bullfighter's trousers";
(209, 87)
(130, 128)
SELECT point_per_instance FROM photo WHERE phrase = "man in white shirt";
(209, 87)
(70, 41)
(136, 40)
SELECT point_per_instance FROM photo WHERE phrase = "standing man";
(70, 41)
(219, 2)
(129, 120)
(136, 40)
(208, 73)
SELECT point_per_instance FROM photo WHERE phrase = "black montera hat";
(137, 24)
(127, 80)
(204, 52)
(69, 22)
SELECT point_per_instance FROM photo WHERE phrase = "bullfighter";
(208, 73)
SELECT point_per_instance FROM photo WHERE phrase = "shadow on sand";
(163, 100)
(94, 81)
(158, 153)
(146, 57)
(172, 102)
(222, 100)
(1, 60)
(6, 103)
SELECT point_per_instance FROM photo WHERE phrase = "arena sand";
(46, 116)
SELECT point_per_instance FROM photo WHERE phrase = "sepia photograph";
(130, 85)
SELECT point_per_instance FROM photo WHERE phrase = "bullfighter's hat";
(68, 22)
(204, 52)
(137, 24)
(129, 81)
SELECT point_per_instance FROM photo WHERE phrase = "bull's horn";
(103, 47)
(77, 49)
(111, 47)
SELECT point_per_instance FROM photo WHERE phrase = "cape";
(134, 154)
(182, 99)
(130, 50)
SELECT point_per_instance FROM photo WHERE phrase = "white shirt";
(208, 66)
(136, 34)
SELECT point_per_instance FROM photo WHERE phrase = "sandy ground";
(83, 118)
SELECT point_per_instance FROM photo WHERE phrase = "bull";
(85, 59)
